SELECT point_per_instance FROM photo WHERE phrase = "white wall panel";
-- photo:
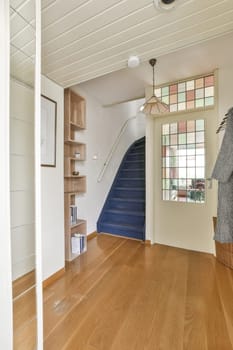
(52, 188)
(22, 178)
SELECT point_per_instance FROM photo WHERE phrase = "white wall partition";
(5, 241)
(52, 190)
(22, 178)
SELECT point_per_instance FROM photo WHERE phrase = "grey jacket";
(223, 172)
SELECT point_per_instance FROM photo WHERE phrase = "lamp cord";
(153, 81)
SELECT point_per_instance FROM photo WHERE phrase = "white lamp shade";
(154, 106)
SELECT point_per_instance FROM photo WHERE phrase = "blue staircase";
(123, 213)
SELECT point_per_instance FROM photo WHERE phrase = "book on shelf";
(73, 214)
(78, 243)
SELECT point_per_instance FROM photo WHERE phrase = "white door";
(185, 149)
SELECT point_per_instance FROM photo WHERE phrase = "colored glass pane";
(190, 125)
(173, 99)
(173, 162)
(167, 184)
(181, 106)
(199, 83)
(173, 128)
(199, 93)
(165, 91)
(165, 99)
(173, 139)
(199, 136)
(209, 91)
(209, 101)
(182, 126)
(165, 129)
(200, 125)
(181, 97)
(190, 85)
(190, 105)
(190, 137)
(199, 103)
(173, 89)
(190, 95)
(181, 87)
(182, 138)
(173, 108)
(174, 173)
(173, 151)
(209, 81)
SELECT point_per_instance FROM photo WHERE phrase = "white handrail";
(114, 146)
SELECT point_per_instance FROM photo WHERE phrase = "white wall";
(225, 89)
(52, 187)
(102, 128)
(22, 178)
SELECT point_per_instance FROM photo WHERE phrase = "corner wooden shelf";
(74, 152)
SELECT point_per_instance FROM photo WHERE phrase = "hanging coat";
(223, 172)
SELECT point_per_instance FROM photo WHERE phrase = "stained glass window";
(190, 94)
(183, 161)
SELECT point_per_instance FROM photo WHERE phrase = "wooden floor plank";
(122, 295)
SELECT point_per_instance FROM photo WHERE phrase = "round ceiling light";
(164, 4)
(133, 61)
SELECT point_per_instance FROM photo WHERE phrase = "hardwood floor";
(123, 295)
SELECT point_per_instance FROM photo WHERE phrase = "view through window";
(183, 161)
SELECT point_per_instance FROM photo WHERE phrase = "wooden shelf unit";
(74, 152)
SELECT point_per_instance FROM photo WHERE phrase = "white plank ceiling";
(22, 40)
(85, 39)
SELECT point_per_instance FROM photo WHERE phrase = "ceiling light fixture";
(164, 4)
(133, 61)
(153, 105)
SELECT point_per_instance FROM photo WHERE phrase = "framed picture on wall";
(48, 131)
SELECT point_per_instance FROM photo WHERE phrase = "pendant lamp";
(153, 105)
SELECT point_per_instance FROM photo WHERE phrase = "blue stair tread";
(125, 212)
(123, 226)
(128, 199)
(136, 154)
(130, 188)
(135, 169)
(131, 179)
(135, 161)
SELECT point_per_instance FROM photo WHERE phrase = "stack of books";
(73, 214)
(78, 243)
